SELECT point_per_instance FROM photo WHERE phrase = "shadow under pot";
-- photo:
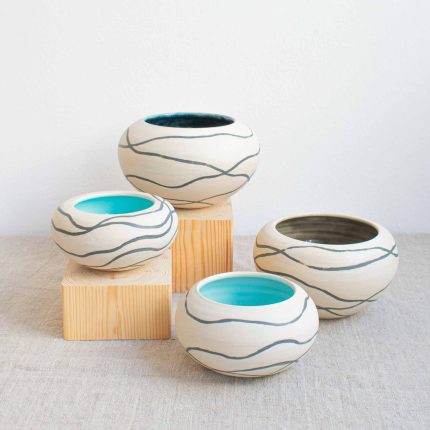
(246, 324)
(343, 262)
(194, 160)
(114, 230)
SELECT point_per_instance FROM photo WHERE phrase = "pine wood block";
(203, 245)
(100, 305)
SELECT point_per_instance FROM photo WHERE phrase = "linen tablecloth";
(369, 371)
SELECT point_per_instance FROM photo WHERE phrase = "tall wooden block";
(203, 246)
(135, 304)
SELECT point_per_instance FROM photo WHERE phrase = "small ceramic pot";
(246, 324)
(194, 160)
(114, 230)
(343, 262)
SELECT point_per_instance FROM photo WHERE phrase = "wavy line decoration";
(381, 248)
(387, 253)
(192, 181)
(144, 162)
(201, 136)
(340, 278)
(315, 287)
(179, 202)
(137, 264)
(222, 172)
(252, 354)
(246, 341)
(332, 309)
(131, 239)
(128, 242)
(138, 250)
(245, 372)
(246, 321)
(336, 314)
(107, 221)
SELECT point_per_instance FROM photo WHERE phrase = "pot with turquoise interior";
(114, 230)
(343, 262)
(246, 324)
(194, 160)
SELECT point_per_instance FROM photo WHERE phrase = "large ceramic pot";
(114, 230)
(246, 324)
(343, 262)
(194, 160)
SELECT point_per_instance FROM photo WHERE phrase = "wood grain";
(101, 305)
(203, 245)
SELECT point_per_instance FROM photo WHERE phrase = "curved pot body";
(343, 262)
(193, 160)
(114, 230)
(246, 340)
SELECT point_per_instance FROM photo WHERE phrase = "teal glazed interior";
(114, 204)
(189, 120)
(247, 291)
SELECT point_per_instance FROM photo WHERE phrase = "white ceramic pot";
(343, 262)
(194, 160)
(114, 230)
(246, 324)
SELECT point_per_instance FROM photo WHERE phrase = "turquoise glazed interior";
(247, 291)
(189, 120)
(114, 204)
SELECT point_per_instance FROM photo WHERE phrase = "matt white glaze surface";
(191, 167)
(114, 241)
(341, 279)
(246, 341)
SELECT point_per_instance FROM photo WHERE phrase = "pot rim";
(379, 229)
(197, 114)
(198, 285)
(70, 204)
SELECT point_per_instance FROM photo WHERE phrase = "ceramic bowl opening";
(329, 230)
(190, 120)
(247, 291)
(114, 204)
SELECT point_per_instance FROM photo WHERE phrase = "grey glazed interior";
(328, 230)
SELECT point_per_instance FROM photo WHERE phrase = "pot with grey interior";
(343, 262)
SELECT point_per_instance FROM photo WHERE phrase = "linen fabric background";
(369, 371)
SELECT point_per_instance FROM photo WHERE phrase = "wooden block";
(203, 245)
(100, 305)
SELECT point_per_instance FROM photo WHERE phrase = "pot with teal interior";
(343, 262)
(114, 230)
(194, 160)
(246, 324)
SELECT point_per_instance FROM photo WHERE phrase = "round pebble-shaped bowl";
(246, 324)
(194, 160)
(114, 230)
(343, 262)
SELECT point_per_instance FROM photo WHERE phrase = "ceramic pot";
(343, 262)
(246, 324)
(114, 230)
(194, 160)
